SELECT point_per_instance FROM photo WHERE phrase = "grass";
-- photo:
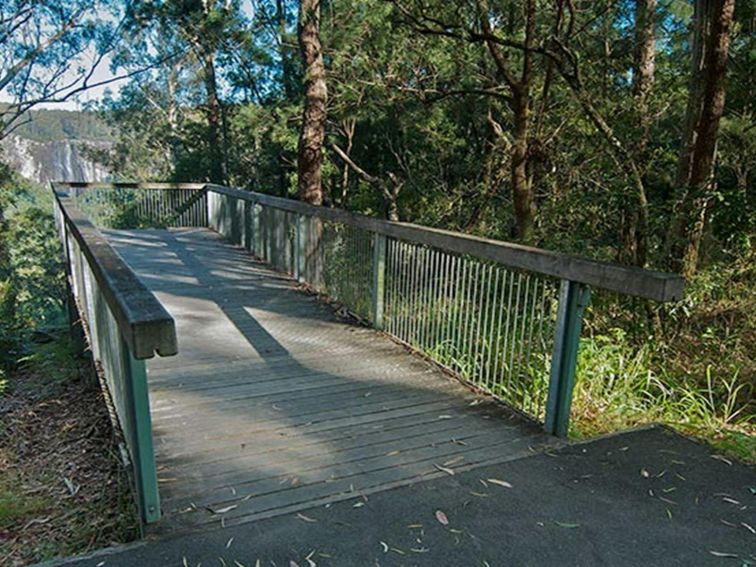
(620, 386)
(16, 507)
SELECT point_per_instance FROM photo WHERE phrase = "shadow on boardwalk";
(273, 405)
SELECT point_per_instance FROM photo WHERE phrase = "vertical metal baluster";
(452, 288)
(391, 275)
(513, 334)
(456, 322)
(414, 294)
(480, 310)
(473, 315)
(541, 317)
(493, 308)
(523, 324)
(498, 368)
(529, 344)
(424, 298)
(436, 305)
(403, 288)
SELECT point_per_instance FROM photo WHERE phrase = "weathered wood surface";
(275, 405)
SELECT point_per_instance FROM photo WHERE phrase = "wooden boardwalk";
(274, 404)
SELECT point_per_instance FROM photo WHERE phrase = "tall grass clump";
(691, 365)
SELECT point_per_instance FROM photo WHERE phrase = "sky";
(102, 73)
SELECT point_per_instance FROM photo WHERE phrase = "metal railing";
(125, 324)
(142, 205)
(505, 317)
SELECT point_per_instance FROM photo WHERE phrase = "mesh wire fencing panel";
(124, 208)
(347, 275)
(492, 325)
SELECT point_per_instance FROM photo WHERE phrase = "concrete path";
(645, 498)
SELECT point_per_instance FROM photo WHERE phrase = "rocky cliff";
(56, 160)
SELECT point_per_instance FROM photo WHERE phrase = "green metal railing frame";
(244, 216)
(120, 308)
(576, 275)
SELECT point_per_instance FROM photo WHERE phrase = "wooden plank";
(253, 467)
(271, 494)
(344, 438)
(185, 453)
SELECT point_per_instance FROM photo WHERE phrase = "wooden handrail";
(128, 185)
(144, 323)
(627, 280)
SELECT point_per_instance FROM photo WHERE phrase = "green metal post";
(299, 249)
(379, 278)
(247, 225)
(143, 455)
(256, 238)
(573, 298)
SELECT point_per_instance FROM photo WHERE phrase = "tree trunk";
(214, 121)
(713, 24)
(312, 133)
(632, 232)
(645, 54)
(522, 195)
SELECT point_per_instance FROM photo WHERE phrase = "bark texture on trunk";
(522, 194)
(312, 133)
(695, 182)
(214, 121)
(645, 56)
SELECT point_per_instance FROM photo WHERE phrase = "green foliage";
(15, 506)
(31, 275)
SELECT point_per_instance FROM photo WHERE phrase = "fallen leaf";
(385, 547)
(441, 517)
(444, 416)
(444, 469)
(223, 510)
(306, 518)
(644, 473)
(229, 542)
(498, 482)
(397, 550)
(567, 525)
(723, 459)
(748, 527)
(723, 554)
(358, 505)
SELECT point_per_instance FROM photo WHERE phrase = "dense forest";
(617, 130)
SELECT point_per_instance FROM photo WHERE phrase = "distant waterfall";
(57, 160)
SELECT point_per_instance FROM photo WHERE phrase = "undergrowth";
(696, 371)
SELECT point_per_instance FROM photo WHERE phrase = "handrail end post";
(573, 299)
(143, 459)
